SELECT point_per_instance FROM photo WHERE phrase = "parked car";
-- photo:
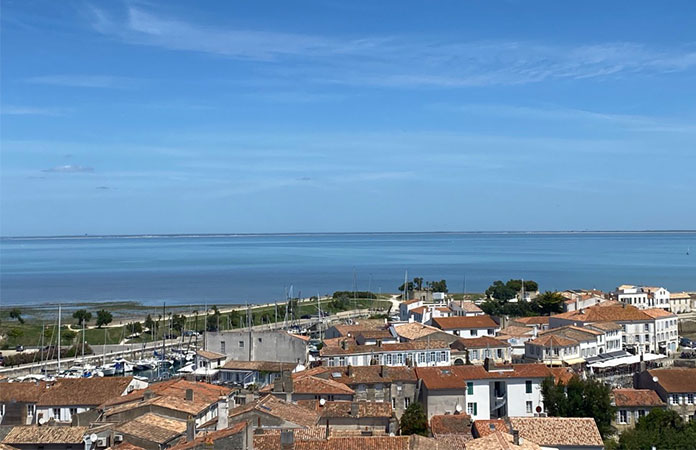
(19, 348)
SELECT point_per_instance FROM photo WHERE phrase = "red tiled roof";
(207, 439)
(463, 322)
(562, 374)
(84, 391)
(480, 342)
(483, 428)
(273, 406)
(415, 330)
(657, 313)
(261, 366)
(533, 320)
(609, 313)
(364, 409)
(450, 424)
(450, 377)
(371, 374)
(210, 355)
(532, 370)
(174, 388)
(553, 340)
(558, 431)
(636, 397)
(675, 379)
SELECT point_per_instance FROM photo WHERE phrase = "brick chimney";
(190, 429)
(515, 437)
(189, 395)
(148, 394)
(350, 370)
(223, 413)
(287, 440)
(384, 371)
(344, 344)
(488, 364)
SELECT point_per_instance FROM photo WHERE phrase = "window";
(469, 388)
(491, 332)
(31, 409)
(443, 356)
(342, 361)
(388, 359)
(673, 399)
(222, 346)
(471, 409)
(623, 416)
(400, 358)
(241, 344)
(56, 413)
(421, 357)
(646, 327)
(393, 402)
(73, 411)
(690, 399)
(529, 407)
(474, 332)
(474, 354)
(528, 386)
(407, 402)
(260, 339)
(641, 413)
(499, 353)
(432, 356)
(361, 388)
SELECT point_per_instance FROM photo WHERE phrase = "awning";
(626, 360)
(574, 361)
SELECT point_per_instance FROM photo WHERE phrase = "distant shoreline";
(337, 233)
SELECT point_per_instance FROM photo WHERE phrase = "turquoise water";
(260, 268)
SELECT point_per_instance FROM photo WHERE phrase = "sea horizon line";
(334, 233)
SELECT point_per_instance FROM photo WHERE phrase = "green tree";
(213, 319)
(82, 316)
(16, 313)
(150, 325)
(414, 421)
(548, 303)
(409, 286)
(500, 292)
(438, 286)
(661, 429)
(67, 336)
(15, 333)
(134, 327)
(178, 322)
(418, 283)
(580, 398)
(104, 317)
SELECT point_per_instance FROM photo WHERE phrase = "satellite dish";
(42, 421)
(322, 402)
(458, 408)
(655, 379)
(93, 437)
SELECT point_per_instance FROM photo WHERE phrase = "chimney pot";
(190, 429)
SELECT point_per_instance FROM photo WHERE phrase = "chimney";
(350, 370)
(287, 440)
(190, 429)
(189, 395)
(223, 408)
(516, 437)
(354, 409)
(344, 345)
(488, 364)
(148, 394)
(642, 363)
(384, 371)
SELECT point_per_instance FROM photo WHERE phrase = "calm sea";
(260, 268)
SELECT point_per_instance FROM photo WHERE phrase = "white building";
(643, 297)
(680, 302)
(416, 353)
(467, 327)
(644, 331)
(483, 392)
(571, 344)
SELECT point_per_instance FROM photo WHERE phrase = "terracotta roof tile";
(414, 330)
(562, 374)
(608, 313)
(461, 322)
(371, 374)
(479, 342)
(84, 391)
(364, 409)
(315, 385)
(500, 441)
(533, 320)
(174, 388)
(273, 406)
(483, 428)
(636, 397)
(207, 439)
(210, 355)
(153, 428)
(450, 377)
(25, 392)
(555, 341)
(45, 435)
(675, 379)
(657, 313)
(558, 431)
(516, 331)
(450, 424)
(272, 442)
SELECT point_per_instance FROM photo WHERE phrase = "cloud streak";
(69, 168)
(10, 110)
(396, 61)
(84, 81)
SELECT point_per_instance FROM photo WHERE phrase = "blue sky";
(193, 117)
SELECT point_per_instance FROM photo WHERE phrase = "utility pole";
(59, 314)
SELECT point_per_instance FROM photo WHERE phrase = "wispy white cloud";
(396, 61)
(13, 110)
(84, 81)
(629, 122)
(69, 168)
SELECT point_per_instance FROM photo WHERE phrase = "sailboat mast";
(59, 314)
